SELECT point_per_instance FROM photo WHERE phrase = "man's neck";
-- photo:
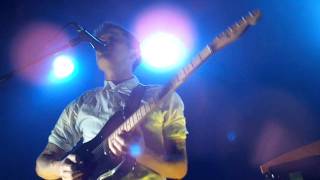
(118, 76)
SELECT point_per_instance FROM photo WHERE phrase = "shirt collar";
(123, 87)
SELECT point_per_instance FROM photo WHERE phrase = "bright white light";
(162, 50)
(62, 67)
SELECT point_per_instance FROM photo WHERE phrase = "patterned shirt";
(85, 116)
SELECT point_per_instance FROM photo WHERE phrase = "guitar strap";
(134, 100)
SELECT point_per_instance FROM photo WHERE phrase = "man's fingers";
(73, 158)
(77, 174)
(67, 168)
(70, 168)
(120, 141)
(124, 134)
(72, 175)
(132, 136)
(113, 148)
(117, 145)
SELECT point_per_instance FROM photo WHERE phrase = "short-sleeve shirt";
(84, 117)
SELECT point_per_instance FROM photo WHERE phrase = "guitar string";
(131, 121)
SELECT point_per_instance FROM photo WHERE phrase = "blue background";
(254, 100)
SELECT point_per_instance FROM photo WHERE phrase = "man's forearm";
(171, 169)
(47, 167)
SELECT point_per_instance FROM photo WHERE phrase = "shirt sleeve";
(65, 134)
(174, 126)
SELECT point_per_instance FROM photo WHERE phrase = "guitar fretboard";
(170, 87)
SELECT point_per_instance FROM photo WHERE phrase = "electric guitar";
(101, 164)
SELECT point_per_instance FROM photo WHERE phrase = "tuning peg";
(221, 35)
(242, 20)
(250, 14)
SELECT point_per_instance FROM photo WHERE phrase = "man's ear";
(134, 54)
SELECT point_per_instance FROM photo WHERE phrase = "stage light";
(135, 150)
(31, 42)
(62, 67)
(162, 50)
(166, 34)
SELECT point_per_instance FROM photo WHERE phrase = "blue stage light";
(135, 150)
(62, 67)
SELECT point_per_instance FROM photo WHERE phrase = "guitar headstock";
(235, 31)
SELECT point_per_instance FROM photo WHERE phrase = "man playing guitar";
(160, 147)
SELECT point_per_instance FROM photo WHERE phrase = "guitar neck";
(167, 89)
(185, 72)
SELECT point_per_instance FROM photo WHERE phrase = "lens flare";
(30, 45)
(62, 67)
(166, 34)
(135, 150)
(162, 50)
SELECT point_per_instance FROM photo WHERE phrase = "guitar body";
(99, 161)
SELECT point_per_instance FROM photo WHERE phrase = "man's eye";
(112, 39)
(109, 40)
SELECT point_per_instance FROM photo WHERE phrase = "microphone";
(84, 35)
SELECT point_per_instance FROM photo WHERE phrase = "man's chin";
(103, 54)
(104, 57)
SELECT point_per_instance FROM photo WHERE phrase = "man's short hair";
(133, 42)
